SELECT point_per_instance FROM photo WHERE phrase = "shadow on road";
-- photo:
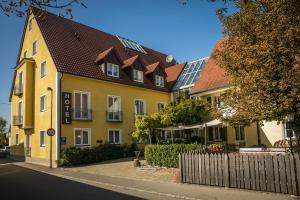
(35, 185)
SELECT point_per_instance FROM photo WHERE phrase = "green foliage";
(3, 139)
(78, 156)
(167, 155)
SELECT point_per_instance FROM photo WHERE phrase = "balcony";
(18, 90)
(17, 120)
(82, 114)
(114, 116)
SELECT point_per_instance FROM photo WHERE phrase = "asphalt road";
(20, 183)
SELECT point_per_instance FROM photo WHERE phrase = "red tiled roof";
(151, 68)
(129, 61)
(103, 54)
(173, 73)
(74, 48)
(212, 76)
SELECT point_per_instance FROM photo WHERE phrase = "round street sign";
(51, 132)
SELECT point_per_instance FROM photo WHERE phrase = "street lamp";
(51, 105)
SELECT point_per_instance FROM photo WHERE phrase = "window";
(17, 138)
(82, 105)
(34, 48)
(140, 107)
(138, 76)
(218, 102)
(43, 69)
(112, 70)
(288, 130)
(82, 136)
(43, 103)
(20, 108)
(159, 81)
(160, 106)
(217, 134)
(131, 44)
(114, 136)
(42, 138)
(30, 25)
(102, 67)
(114, 108)
(239, 133)
(25, 54)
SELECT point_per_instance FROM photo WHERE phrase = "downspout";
(58, 114)
(258, 134)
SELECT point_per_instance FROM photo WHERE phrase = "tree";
(260, 53)
(3, 139)
(20, 7)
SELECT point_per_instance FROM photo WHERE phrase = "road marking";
(5, 164)
(119, 186)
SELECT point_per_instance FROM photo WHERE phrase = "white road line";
(5, 164)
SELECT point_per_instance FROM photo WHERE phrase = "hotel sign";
(66, 108)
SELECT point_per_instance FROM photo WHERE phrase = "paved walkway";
(154, 189)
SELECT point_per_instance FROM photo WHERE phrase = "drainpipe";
(58, 114)
(258, 134)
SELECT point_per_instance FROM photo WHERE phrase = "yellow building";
(90, 82)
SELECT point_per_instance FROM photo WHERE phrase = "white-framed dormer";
(138, 76)
(114, 136)
(159, 81)
(112, 70)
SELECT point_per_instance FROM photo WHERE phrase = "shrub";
(167, 155)
(216, 148)
(73, 156)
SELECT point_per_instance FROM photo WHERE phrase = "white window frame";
(20, 112)
(30, 24)
(34, 48)
(239, 133)
(113, 66)
(159, 81)
(158, 106)
(45, 136)
(135, 110)
(138, 76)
(119, 106)
(88, 105)
(285, 131)
(120, 135)
(89, 136)
(43, 65)
(44, 108)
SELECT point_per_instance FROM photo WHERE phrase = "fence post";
(180, 168)
(226, 171)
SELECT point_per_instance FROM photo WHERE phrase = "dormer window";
(112, 70)
(102, 67)
(138, 76)
(159, 81)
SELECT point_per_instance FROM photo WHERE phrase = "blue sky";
(187, 32)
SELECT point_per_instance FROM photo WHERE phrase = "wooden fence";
(263, 172)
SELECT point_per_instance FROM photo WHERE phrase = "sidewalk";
(153, 189)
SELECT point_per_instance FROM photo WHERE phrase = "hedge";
(73, 156)
(167, 155)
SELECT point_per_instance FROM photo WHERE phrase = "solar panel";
(190, 74)
(131, 44)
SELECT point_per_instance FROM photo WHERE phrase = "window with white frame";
(217, 133)
(30, 24)
(138, 76)
(82, 136)
(140, 107)
(218, 102)
(34, 48)
(43, 103)
(288, 130)
(42, 138)
(112, 70)
(159, 81)
(114, 136)
(17, 138)
(82, 105)
(160, 106)
(239, 133)
(43, 69)
(114, 108)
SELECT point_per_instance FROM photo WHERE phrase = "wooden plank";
(238, 177)
(203, 164)
(180, 167)
(199, 168)
(276, 173)
(212, 169)
(216, 170)
(297, 162)
(269, 173)
(190, 168)
(257, 178)
(242, 172)
(246, 171)
(262, 172)
(288, 174)
(293, 175)
(252, 172)
(196, 164)
(282, 174)
(207, 170)
(220, 169)
(186, 168)
(232, 170)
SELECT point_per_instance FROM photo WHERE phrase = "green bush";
(167, 155)
(73, 156)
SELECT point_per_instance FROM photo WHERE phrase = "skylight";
(131, 44)
(190, 74)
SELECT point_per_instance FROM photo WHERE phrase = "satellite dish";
(169, 58)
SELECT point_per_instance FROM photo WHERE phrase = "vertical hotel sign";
(66, 108)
